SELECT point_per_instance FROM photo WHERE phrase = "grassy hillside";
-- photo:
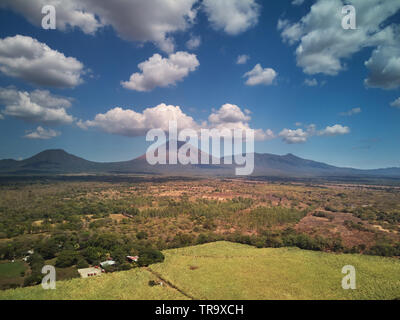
(225, 270)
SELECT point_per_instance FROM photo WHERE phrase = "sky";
(111, 71)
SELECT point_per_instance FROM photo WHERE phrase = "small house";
(89, 272)
(132, 258)
(107, 263)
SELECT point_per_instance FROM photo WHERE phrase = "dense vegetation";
(74, 225)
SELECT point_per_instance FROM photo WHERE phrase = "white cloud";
(162, 72)
(297, 2)
(69, 14)
(396, 103)
(1, 117)
(259, 75)
(43, 134)
(311, 82)
(30, 60)
(133, 20)
(31, 107)
(294, 136)
(193, 43)
(351, 112)
(232, 16)
(41, 97)
(130, 123)
(228, 113)
(242, 59)
(231, 117)
(335, 130)
(323, 45)
(384, 67)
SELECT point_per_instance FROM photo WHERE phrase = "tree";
(150, 256)
(94, 254)
(141, 235)
(81, 263)
(66, 258)
(33, 279)
(48, 249)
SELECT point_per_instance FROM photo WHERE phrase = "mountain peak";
(53, 151)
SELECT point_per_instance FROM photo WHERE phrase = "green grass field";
(11, 269)
(224, 270)
(11, 274)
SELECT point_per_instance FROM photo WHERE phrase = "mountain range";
(61, 162)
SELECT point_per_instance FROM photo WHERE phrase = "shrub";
(141, 235)
(33, 279)
(82, 263)
(152, 283)
(385, 250)
(150, 256)
(66, 259)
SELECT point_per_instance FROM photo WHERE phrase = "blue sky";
(334, 62)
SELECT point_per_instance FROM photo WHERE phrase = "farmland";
(80, 221)
(224, 270)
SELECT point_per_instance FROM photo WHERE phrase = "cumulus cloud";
(42, 133)
(259, 75)
(242, 59)
(34, 107)
(30, 60)
(130, 123)
(42, 97)
(335, 130)
(323, 45)
(162, 72)
(295, 136)
(232, 16)
(193, 43)
(134, 20)
(396, 103)
(228, 113)
(231, 117)
(384, 67)
(351, 112)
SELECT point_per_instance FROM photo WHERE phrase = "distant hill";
(49, 161)
(61, 162)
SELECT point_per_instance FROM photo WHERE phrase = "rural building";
(89, 272)
(132, 258)
(107, 263)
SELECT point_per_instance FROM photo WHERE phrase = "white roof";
(107, 263)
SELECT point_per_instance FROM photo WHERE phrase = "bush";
(141, 235)
(94, 254)
(82, 263)
(326, 215)
(33, 280)
(125, 266)
(66, 259)
(385, 250)
(152, 283)
(150, 256)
